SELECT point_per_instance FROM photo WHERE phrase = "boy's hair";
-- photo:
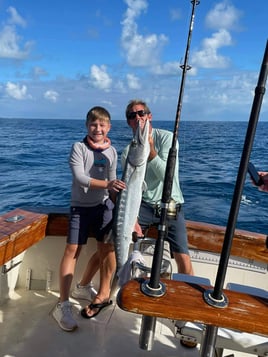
(136, 102)
(98, 113)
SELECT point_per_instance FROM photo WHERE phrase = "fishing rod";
(248, 143)
(154, 287)
(215, 297)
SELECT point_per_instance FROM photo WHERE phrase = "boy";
(93, 164)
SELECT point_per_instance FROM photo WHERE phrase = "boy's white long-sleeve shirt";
(86, 163)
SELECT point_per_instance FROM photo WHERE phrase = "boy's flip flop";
(95, 306)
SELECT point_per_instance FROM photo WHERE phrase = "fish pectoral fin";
(144, 186)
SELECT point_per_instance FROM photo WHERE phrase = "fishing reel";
(172, 210)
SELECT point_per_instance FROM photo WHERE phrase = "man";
(160, 143)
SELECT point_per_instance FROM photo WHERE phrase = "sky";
(60, 58)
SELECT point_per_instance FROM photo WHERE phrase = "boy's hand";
(116, 185)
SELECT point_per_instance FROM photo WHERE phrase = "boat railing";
(23, 227)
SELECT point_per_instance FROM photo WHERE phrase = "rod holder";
(220, 303)
(15, 219)
(153, 292)
(209, 341)
(147, 332)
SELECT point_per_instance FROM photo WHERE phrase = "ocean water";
(35, 171)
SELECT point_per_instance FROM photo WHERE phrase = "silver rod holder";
(209, 341)
(147, 332)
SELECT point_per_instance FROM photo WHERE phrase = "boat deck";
(28, 329)
(30, 278)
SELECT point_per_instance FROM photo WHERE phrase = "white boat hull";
(30, 290)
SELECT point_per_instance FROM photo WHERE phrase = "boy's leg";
(62, 312)
(67, 268)
(77, 236)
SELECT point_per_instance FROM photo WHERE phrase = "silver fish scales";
(128, 201)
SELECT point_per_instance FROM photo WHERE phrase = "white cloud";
(168, 68)
(9, 44)
(10, 41)
(133, 81)
(37, 72)
(108, 103)
(175, 14)
(208, 56)
(51, 95)
(15, 18)
(120, 86)
(17, 91)
(100, 78)
(140, 51)
(223, 15)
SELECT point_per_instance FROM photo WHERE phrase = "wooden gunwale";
(201, 236)
(17, 236)
(184, 301)
(53, 221)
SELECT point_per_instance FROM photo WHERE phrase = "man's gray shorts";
(177, 233)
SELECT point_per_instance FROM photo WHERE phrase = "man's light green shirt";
(155, 172)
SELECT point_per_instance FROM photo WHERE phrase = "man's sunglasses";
(140, 113)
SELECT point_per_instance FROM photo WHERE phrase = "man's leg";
(107, 269)
(184, 263)
(177, 236)
(85, 288)
(91, 269)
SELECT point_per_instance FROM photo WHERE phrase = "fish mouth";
(142, 132)
(139, 147)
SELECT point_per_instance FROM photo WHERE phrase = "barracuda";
(129, 200)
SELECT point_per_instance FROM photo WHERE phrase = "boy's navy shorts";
(94, 221)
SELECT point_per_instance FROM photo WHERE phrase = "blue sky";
(60, 58)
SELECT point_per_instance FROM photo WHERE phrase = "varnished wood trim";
(57, 224)
(184, 301)
(210, 237)
(201, 236)
(15, 237)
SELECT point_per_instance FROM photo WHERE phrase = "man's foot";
(188, 344)
(93, 310)
(186, 341)
(62, 313)
(86, 292)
